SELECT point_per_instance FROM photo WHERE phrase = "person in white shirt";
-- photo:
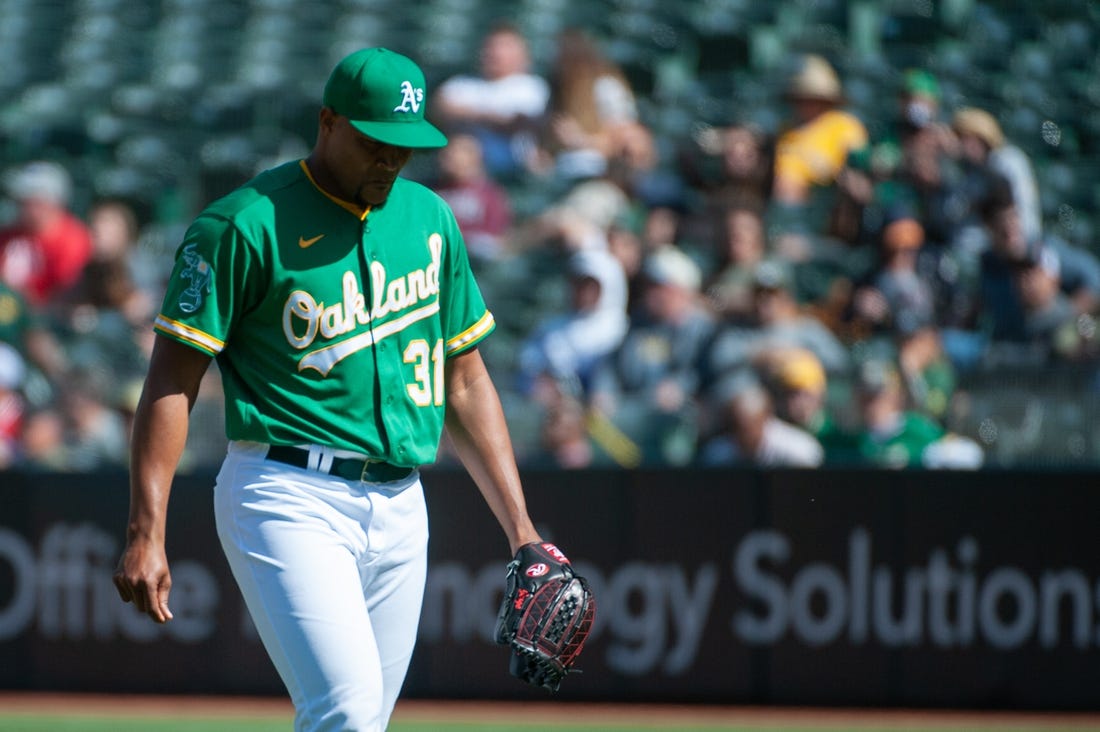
(753, 435)
(501, 105)
(568, 347)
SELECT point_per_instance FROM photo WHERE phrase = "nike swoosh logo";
(305, 243)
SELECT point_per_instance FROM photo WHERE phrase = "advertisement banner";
(977, 590)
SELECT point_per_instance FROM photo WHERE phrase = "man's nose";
(390, 157)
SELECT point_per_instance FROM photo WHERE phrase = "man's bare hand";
(142, 577)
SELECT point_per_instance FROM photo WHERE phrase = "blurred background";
(867, 224)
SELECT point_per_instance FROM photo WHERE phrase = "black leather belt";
(367, 471)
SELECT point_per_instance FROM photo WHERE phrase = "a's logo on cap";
(410, 98)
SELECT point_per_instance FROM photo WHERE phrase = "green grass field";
(37, 723)
(144, 713)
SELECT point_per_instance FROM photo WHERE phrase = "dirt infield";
(623, 714)
(757, 717)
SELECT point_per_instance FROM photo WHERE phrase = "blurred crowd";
(800, 296)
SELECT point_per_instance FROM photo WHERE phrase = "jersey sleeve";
(466, 319)
(209, 286)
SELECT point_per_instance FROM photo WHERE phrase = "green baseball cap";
(383, 94)
(919, 82)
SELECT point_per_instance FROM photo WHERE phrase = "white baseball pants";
(332, 573)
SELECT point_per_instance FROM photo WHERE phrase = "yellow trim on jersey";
(187, 334)
(347, 205)
(474, 333)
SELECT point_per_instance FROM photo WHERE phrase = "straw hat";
(815, 79)
(981, 124)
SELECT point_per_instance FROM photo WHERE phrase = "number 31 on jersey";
(427, 362)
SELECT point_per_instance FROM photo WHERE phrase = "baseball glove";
(546, 615)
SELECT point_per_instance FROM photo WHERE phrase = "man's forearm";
(160, 434)
(159, 437)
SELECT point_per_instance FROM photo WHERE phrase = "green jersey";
(330, 324)
(904, 446)
(16, 318)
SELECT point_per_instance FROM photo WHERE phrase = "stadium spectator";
(565, 440)
(480, 204)
(914, 162)
(1048, 315)
(44, 251)
(581, 218)
(16, 318)
(653, 375)
(729, 166)
(999, 306)
(781, 321)
(568, 347)
(105, 318)
(777, 321)
(502, 105)
(624, 242)
(929, 374)
(920, 106)
(42, 443)
(96, 436)
(592, 115)
(113, 278)
(31, 334)
(741, 246)
(895, 298)
(798, 386)
(753, 435)
(855, 215)
(812, 151)
(889, 435)
(12, 404)
(953, 452)
(658, 356)
(929, 180)
(982, 145)
(662, 226)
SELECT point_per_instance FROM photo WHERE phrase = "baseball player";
(339, 303)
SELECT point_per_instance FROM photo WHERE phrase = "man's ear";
(326, 120)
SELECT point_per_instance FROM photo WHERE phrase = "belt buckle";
(366, 468)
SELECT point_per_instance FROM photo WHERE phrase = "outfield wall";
(978, 590)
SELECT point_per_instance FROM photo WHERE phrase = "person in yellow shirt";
(813, 150)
